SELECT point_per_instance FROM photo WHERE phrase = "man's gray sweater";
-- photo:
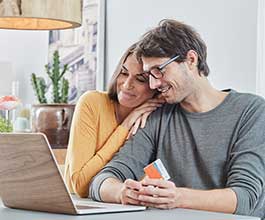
(222, 148)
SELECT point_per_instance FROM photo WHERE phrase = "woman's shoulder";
(94, 98)
(94, 95)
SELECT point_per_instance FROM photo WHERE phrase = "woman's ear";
(192, 59)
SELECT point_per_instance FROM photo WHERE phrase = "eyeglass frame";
(160, 68)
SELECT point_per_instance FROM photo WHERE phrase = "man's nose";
(154, 83)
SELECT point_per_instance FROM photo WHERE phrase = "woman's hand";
(137, 118)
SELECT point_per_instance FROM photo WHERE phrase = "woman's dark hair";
(172, 38)
(112, 88)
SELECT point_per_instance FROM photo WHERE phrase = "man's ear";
(192, 59)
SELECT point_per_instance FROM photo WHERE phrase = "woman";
(103, 121)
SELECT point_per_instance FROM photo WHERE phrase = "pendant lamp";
(40, 14)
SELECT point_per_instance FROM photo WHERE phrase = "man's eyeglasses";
(157, 71)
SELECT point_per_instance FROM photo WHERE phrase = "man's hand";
(163, 194)
(159, 193)
(130, 192)
(155, 193)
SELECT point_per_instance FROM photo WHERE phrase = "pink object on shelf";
(9, 102)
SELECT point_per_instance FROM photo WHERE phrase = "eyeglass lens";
(156, 73)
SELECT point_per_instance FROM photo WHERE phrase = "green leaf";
(5, 126)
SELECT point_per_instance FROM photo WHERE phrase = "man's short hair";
(172, 38)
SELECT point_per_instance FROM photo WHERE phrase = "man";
(211, 142)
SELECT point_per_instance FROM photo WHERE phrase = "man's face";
(177, 82)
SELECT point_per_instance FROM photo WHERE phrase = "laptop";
(30, 179)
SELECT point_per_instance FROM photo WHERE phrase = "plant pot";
(54, 120)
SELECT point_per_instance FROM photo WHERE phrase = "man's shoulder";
(246, 105)
(247, 99)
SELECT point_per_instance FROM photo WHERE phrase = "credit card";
(156, 170)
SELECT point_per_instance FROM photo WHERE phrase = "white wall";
(229, 28)
(260, 79)
(27, 52)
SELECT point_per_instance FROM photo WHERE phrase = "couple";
(211, 142)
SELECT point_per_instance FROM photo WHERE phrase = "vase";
(54, 120)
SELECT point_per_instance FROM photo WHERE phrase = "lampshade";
(40, 14)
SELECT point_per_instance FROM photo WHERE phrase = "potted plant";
(53, 118)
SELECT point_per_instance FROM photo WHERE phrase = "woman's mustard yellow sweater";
(94, 138)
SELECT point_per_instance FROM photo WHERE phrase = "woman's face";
(132, 88)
